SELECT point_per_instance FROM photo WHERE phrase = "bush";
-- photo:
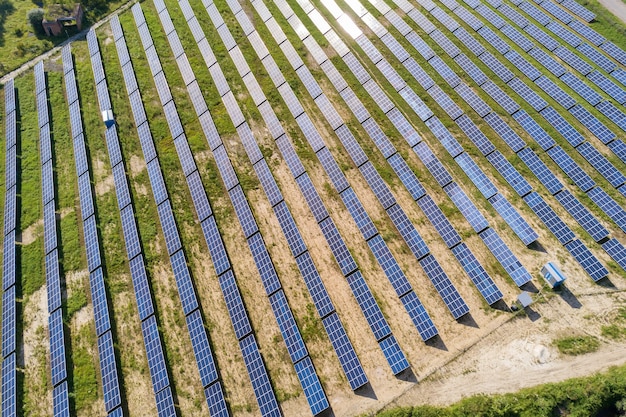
(577, 345)
(35, 17)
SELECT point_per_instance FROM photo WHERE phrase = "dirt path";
(617, 7)
(30, 64)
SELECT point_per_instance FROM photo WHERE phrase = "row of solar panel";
(463, 203)
(267, 401)
(9, 306)
(505, 132)
(106, 355)
(151, 336)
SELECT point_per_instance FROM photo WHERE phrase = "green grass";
(577, 345)
(597, 395)
(85, 376)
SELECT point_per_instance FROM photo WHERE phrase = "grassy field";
(599, 315)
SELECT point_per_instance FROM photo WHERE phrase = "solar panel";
(264, 264)
(404, 127)
(416, 103)
(510, 173)
(547, 62)
(563, 126)
(609, 206)
(535, 13)
(129, 227)
(547, 215)
(582, 215)
(587, 260)
(419, 316)
(183, 282)
(619, 149)
(333, 171)
(446, 103)
(391, 75)
(477, 274)
(597, 128)
(542, 37)
(573, 60)
(444, 42)
(49, 228)
(358, 213)
(470, 69)
(490, 16)
(597, 57)
(389, 265)
(616, 250)
(473, 99)
(469, 41)
(60, 401)
(505, 257)
(500, 97)
(444, 287)
(108, 370)
(99, 300)
(394, 355)
(515, 221)
(571, 168)
(57, 347)
(8, 261)
(234, 304)
(477, 137)
(351, 145)
(556, 92)
(338, 247)
(513, 15)
(467, 17)
(491, 37)
(9, 386)
(582, 89)
(289, 228)
(168, 225)
(466, 207)
(408, 232)
(312, 197)
(443, 226)
(527, 94)
(443, 135)
(620, 75)
(579, 10)
(379, 138)
(311, 385)
(587, 32)
(614, 52)
(154, 353)
(608, 86)
(406, 176)
(556, 11)
(355, 104)
(560, 31)
(10, 201)
(444, 19)
(8, 321)
(476, 175)
(345, 352)
(309, 82)
(53, 280)
(201, 348)
(310, 133)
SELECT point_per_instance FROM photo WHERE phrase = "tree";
(35, 17)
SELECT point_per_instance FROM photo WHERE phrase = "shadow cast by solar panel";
(468, 320)
(529, 287)
(436, 342)
(568, 297)
(537, 247)
(501, 305)
(366, 391)
(532, 314)
(606, 283)
(326, 413)
(408, 376)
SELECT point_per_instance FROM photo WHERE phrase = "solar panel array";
(431, 162)
(9, 272)
(108, 364)
(58, 366)
(571, 168)
(151, 336)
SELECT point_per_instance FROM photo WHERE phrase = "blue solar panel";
(142, 290)
(154, 353)
(417, 72)
(47, 182)
(315, 285)
(394, 355)
(515, 221)
(10, 201)
(337, 246)
(368, 305)
(58, 369)
(582, 215)
(235, 306)
(352, 146)
(445, 71)
(408, 232)
(597, 57)
(594, 125)
(543, 173)
(587, 260)
(608, 86)
(311, 385)
(527, 94)
(507, 134)
(510, 173)
(556, 92)
(609, 206)
(358, 213)
(184, 155)
(216, 401)
(513, 15)
(308, 128)
(404, 127)
(332, 170)
(8, 322)
(60, 401)
(8, 261)
(121, 186)
(444, 287)
(496, 66)
(477, 137)
(345, 352)
(571, 168)
(446, 103)
(443, 226)
(198, 195)
(582, 89)
(378, 186)
(523, 65)
(469, 41)
(471, 98)
(619, 149)
(433, 164)
(416, 103)
(547, 62)
(467, 17)
(614, 52)
(419, 316)
(9, 386)
(379, 138)
(264, 264)
(242, 209)
(407, 176)
(258, 377)
(289, 155)
(477, 274)
(389, 265)
(547, 215)
(556, 11)
(108, 370)
(49, 228)
(616, 250)
(466, 207)
(476, 175)
(505, 257)
(491, 16)
(129, 227)
(500, 97)
(99, 301)
(165, 403)
(289, 228)
(183, 281)
(585, 31)
(444, 19)
(470, 69)
(312, 198)
(201, 348)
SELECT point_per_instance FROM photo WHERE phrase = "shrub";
(35, 17)
(577, 345)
